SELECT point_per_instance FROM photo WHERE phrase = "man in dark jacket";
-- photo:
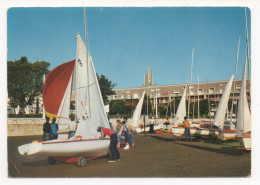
(54, 129)
(46, 130)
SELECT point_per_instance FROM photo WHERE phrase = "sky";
(124, 41)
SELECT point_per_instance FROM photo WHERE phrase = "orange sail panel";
(55, 87)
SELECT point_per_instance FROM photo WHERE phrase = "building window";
(238, 87)
(200, 92)
(135, 96)
(211, 90)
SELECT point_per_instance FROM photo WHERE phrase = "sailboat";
(90, 113)
(136, 117)
(180, 114)
(137, 113)
(56, 93)
(243, 126)
(224, 134)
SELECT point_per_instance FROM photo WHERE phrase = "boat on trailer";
(90, 113)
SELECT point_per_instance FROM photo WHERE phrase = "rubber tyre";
(51, 160)
(82, 161)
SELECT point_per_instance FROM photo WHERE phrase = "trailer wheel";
(82, 161)
(51, 160)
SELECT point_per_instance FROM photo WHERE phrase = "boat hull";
(194, 131)
(66, 148)
(227, 135)
(147, 129)
(245, 142)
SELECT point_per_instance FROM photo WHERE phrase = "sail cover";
(90, 113)
(137, 112)
(243, 113)
(222, 107)
(181, 112)
(57, 91)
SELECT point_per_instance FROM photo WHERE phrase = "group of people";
(122, 128)
(50, 130)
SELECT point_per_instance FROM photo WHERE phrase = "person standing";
(152, 128)
(46, 130)
(119, 129)
(126, 133)
(131, 136)
(186, 124)
(113, 142)
(54, 129)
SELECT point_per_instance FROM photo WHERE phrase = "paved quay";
(153, 156)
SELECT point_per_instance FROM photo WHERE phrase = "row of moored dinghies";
(242, 131)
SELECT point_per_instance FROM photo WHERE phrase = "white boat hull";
(66, 148)
(147, 129)
(245, 142)
(194, 131)
(224, 136)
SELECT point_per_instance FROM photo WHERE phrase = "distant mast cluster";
(148, 78)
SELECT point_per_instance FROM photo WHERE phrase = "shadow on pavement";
(229, 150)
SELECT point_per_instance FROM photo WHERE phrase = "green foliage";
(24, 81)
(72, 117)
(72, 106)
(37, 106)
(116, 107)
(106, 87)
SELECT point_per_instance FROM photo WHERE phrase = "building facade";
(196, 91)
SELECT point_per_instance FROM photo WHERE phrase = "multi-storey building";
(196, 91)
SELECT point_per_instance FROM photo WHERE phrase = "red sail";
(55, 86)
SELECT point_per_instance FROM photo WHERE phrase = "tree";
(106, 87)
(24, 81)
(37, 106)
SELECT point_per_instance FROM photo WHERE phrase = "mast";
(88, 94)
(234, 85)
(156, 111)
(43, 110)
(208, 98)
(198, 99)
(190, 81)
(248, 64)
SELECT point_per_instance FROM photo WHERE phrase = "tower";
(148, 78)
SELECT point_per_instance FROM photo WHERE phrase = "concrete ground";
(153, 156)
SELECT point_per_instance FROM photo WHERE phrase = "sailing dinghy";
(90, 113)
(243, 126)
(224, 134)
(177, 130)
(136, 117)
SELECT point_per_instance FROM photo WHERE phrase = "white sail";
(137, 112)
(64, 110)
(86, 80)
(222, 107)
(181, 111)
(243, 114)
